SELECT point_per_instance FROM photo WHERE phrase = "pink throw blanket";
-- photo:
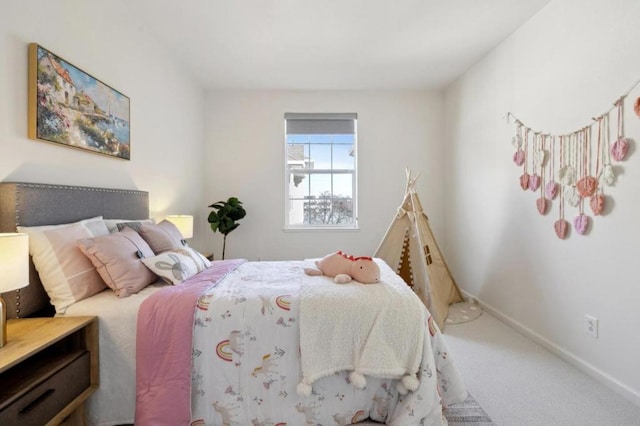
(163, 351)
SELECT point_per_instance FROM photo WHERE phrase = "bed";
(242, 356)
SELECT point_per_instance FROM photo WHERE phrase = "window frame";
(309, 171)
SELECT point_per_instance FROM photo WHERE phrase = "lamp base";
(3, 322)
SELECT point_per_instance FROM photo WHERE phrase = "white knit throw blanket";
(373, 329)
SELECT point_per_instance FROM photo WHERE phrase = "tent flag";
(410, 248)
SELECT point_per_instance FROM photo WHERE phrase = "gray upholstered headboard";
(35, 204)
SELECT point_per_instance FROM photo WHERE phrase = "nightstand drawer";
(37, 403)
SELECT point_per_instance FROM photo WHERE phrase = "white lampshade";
(14, 261)
(184, 223)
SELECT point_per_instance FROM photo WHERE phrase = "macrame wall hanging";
(573, 168)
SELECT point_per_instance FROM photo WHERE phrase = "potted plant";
(225, 216)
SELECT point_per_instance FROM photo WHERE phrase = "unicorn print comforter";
(245, 363)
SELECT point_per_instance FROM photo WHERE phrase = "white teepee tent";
(410, 248)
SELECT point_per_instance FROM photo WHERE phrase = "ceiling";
(330, 44)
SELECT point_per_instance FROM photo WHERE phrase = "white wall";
(245, 158)
(566, 65)
(167, 107)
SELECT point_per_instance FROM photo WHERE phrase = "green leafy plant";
(225, 216)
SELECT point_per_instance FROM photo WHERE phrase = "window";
(320, 190)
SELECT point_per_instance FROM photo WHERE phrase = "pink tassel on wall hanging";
(581, 223)
(524, 179)
(562, 227)
(534, 182)
(518, 157)
(619, 149)
(597, 204)
(551, 190)
(534, 179)
(541, 204)
(574, 181)
(587, 186)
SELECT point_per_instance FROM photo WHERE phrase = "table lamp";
(14, 271)
(184, 223)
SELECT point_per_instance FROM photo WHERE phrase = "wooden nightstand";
(48, 368)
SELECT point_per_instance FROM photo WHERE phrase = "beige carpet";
(519, 383)
(462, 312)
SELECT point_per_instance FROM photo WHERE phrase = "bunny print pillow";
(175, 266)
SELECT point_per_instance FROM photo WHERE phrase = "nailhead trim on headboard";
(21, 186)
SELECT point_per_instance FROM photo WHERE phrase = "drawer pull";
(46, 394)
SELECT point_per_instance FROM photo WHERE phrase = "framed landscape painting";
(67, 106)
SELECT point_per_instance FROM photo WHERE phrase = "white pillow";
(112, 224)
(66, 274)
(176, 265)
(96, 226)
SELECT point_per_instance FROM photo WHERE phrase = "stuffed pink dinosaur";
(343, 268)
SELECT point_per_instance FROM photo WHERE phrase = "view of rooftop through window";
(321, 182)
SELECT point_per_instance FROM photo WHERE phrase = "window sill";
(316, 229)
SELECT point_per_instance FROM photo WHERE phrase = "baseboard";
(612, 383)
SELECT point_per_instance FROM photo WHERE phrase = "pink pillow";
(162, 237)
(117, 260)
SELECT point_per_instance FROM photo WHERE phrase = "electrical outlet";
(591, 326)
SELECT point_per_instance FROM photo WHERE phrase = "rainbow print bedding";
(236, 361)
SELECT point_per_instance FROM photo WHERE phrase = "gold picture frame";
(68, 106)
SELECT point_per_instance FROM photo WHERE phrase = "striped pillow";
(66, 274)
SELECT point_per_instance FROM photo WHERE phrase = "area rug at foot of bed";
(465, 413)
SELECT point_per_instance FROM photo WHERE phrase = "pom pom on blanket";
(304, 388)
(357, 380)
(408, 383)
(380, 330)
(411, 382)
